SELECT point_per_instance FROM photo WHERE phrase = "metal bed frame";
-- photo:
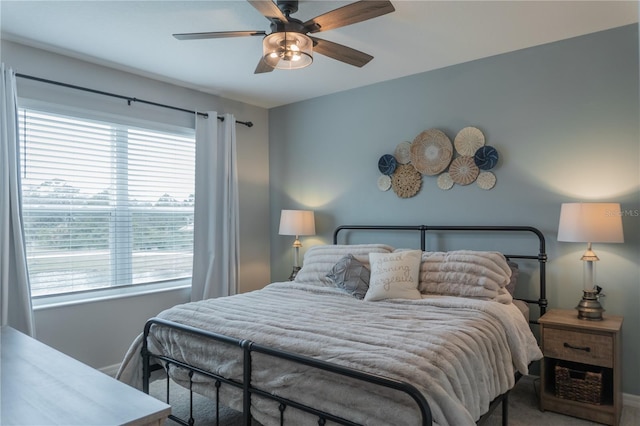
(249, 348)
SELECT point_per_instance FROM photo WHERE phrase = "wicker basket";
(577, 385)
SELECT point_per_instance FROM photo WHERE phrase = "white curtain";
(15, 293)
(216, 231)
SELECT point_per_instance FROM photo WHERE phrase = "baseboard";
(631, 400)
(110, 370)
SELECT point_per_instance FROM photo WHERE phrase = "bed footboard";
(248, 389)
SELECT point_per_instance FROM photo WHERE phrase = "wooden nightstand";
(582, 345)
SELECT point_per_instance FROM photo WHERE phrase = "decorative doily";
(486, 157)
(431, 152)
(463, 170)
(387, 164)
(486, 180)
(406, 181)
(444, 181)
(468, 140)
(384, 183)
(403, 153)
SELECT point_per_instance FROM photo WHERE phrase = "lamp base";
(295, 271)
(589, 307)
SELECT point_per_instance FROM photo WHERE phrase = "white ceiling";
(419, 36)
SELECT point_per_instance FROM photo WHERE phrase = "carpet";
(523, 408)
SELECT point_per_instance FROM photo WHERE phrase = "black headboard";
(540, 256)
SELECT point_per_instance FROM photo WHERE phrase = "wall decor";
(387, 164)
(486, 157)
(463, 170)
(468, 159)
(403, 152)
(444, 181)
(406, 181)
(431, 152)
(384, 183)
(468, 141)
(486, 180)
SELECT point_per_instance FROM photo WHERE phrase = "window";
(104, 204)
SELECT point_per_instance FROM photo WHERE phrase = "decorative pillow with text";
(394, 275)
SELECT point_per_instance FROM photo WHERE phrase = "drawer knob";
(578, 348)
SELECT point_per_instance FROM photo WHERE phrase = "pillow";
(513, 280)
(394, 275)
(465, 273)
(319, 260)
(351, 275)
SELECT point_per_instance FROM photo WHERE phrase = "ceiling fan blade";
(340, 52)
(219, 34)
(349, 14)
(269, 9)
(265, 66)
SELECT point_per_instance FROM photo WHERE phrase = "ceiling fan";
(289, 47)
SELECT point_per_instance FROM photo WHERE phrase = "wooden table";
(41, 386)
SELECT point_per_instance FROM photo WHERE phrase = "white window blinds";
(104, 204)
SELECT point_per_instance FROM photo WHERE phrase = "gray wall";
(99, 332)
(564, 118)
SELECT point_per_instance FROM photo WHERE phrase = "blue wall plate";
(387, 164)
(486, 157)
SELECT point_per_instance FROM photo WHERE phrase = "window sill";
(56, 301)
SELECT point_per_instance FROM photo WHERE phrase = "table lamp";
(297, 222)
(590, 223)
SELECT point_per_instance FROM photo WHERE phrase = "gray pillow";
(350, 275)
(515, 271)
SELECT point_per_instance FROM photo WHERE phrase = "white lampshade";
(297, 222)
(590, 223)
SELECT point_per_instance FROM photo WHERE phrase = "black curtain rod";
(129, 99)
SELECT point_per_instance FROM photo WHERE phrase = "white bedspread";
(460, 352)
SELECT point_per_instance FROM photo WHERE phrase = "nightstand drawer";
(588, 348)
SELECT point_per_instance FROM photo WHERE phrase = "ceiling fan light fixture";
(287, 50)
